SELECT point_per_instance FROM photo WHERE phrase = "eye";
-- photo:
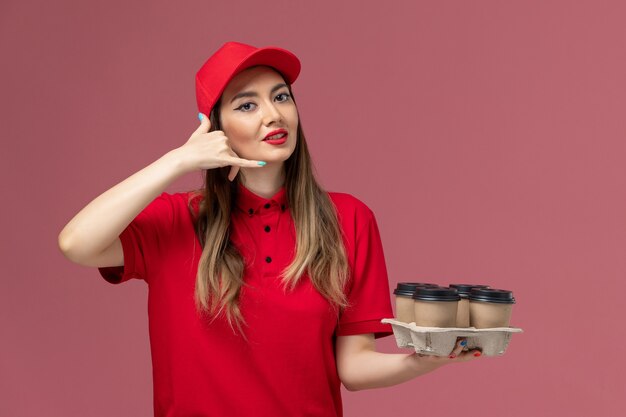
(285, 95)
(245, 107)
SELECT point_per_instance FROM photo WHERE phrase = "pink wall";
(487, 136)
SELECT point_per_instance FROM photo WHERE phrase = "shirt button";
(267, 205)
(250, 211)
(268, 259)
(267, 228)
(282, 207)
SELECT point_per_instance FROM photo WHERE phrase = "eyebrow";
(254, 94)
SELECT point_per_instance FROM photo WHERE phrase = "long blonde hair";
(320, 252)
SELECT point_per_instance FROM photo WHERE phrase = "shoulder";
(176, 202)
(347, 201)
(177, 198)
(350, 208)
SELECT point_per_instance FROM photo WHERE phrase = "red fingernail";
(477, 354)
(452, 356)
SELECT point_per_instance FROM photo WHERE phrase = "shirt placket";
(268, 245)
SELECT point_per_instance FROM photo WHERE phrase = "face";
(255, 104)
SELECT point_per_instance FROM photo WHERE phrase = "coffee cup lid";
(492, 295)
(464, 289)
(408, 288)
(436, 294)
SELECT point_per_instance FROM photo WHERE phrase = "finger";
(469, 355)
(233, 172)
(475, 353)
(246, 163)
(458, 348)
(205, 124)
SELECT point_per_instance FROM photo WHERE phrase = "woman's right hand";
(208, 150)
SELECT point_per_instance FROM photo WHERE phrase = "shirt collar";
(252, 203)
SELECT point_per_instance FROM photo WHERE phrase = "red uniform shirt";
(287, 367)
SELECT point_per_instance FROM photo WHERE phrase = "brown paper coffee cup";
(436, 307)
(463, 311)
(490, 307)
(405, 310)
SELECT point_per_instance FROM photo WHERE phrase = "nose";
(271, 114)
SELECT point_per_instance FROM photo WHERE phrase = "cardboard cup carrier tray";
(440, 341)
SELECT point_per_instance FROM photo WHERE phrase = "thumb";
(205, 123)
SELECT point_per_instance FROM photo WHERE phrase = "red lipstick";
(275, 132)
(277, 141)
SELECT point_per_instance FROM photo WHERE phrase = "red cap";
(234, 57)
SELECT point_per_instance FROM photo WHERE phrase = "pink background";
(487, 136)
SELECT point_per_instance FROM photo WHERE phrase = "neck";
(264, 181)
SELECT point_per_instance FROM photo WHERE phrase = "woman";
(265, 292)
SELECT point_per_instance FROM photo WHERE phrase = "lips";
(276, 134)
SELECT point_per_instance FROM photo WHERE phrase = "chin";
(279, 155)
(275, 159)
